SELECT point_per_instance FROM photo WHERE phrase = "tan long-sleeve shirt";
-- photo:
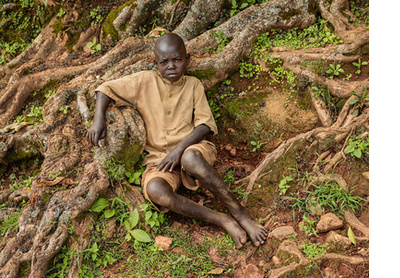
(169, 110)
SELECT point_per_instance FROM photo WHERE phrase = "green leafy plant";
(229, 177)
(326, 196)
(49, 93)
(20, 182)
(313, 250)
(61, 13)
(248, 70)
(240, 193)
(213, 106)
(283, 184)
(61, 263)
(138, 235)
(360, 101)
(256, 145)
(65, 109)
(357, 147)
(135, 177)
(33, 117)
(334, 70)
(96, 16)
(115, 170)
(94, 254)
(222, 42)
(152, 218)
(308, 226)
(94, 46)
(348, 76)
(359, 64)
(11, 222)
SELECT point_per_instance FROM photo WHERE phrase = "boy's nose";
(171, 65)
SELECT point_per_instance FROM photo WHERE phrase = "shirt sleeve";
(202, 111)
(123, 91)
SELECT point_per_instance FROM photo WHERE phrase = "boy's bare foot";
(233, 228)
(256, 231)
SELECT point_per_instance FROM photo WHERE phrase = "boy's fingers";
(96, 139)
(172, 166)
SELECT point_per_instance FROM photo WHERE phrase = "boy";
(177, 117)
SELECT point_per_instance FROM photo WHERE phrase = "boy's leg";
(160, 192)
(194, 163)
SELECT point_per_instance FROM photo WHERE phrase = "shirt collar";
(179, 82)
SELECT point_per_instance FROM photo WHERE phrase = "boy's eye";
(163, 63)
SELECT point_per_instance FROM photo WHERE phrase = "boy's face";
(171, 61)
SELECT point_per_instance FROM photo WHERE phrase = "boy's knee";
(159, 191)
(190, 159)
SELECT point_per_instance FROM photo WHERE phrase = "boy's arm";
(98, 129)
(174, 157)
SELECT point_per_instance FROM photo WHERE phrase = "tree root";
(319, 132)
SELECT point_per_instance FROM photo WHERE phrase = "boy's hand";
(97, 131)
(170, 161)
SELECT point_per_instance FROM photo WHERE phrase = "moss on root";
(130, 153)
(291, 13)
(203, 75)
(108, 26)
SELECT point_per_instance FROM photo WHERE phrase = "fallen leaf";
(351, 236)
(217, 271)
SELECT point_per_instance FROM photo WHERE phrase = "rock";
(339, 241)
(233, 152)
(228, 147)
(366, 175)
(176, 224)
(276, 261)
(164, 242)
(281, 233)
(251, 271)
(329, 222)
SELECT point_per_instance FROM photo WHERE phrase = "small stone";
(329, 222)
(366, 175)
(276, 261)
(231, 130)
(233, 152)
(251, 271)
(228, 147)
(281, 233)
(164, 242)
(338, 240)
(176, 224)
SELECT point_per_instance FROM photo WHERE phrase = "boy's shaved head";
(170, 39)
(170, 56)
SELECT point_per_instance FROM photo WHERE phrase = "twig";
(173, 11)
